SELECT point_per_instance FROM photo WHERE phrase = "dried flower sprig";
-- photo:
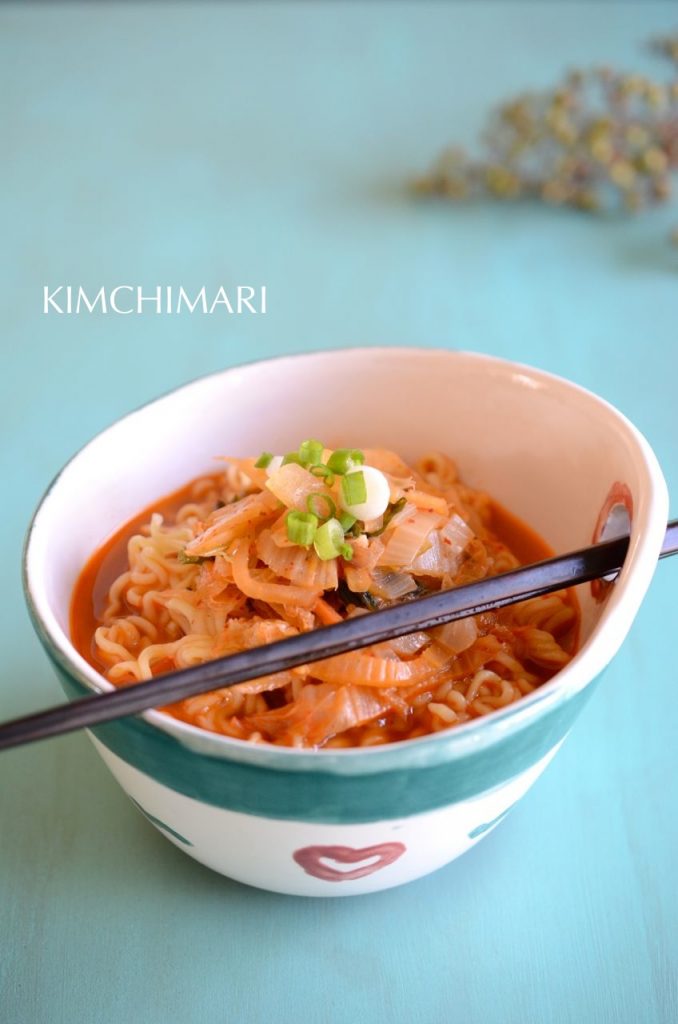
(599, 140)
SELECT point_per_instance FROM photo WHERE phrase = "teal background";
(206, 144)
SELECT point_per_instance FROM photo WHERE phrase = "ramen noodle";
(271, 547)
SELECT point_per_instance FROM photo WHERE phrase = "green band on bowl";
(323, 796)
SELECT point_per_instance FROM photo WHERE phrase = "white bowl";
(341, 822)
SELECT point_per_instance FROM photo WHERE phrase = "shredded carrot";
(326, 613)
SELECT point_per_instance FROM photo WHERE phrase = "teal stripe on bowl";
(325, 797)
(162, 825)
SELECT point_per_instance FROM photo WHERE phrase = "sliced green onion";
(323, 472)
(345, 459)
(291, 457)
(346, 552)
(354, 488)
(347, 521)
(301, 527)
(329, 540)
(311, 452)
(264, 460)
(314, 504)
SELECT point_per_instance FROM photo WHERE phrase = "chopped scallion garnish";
(314, 504)
(301, 527)
(311, 452)
(343, 460)
(291, 457)
(354, 488)
(347, 521)
(329, 540)
(264, 460)
(323, 472)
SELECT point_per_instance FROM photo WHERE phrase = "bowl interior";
(547, 450)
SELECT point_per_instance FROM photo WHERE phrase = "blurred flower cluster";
(601, 139)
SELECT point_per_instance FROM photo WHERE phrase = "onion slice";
(457, 636)
(232, 521)
(410, 644)
(391, 585)
(447, 545)
(292, 484)
(408, 538)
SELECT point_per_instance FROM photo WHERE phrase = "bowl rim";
(592, 657)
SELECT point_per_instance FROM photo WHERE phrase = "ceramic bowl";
(343, 822)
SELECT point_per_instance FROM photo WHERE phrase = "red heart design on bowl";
(313, 860)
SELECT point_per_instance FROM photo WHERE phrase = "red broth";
(91, 591)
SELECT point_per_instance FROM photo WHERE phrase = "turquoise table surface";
(192, 144)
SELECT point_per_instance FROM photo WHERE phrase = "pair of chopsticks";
(422, 613)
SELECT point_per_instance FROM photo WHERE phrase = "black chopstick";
(363, 630)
